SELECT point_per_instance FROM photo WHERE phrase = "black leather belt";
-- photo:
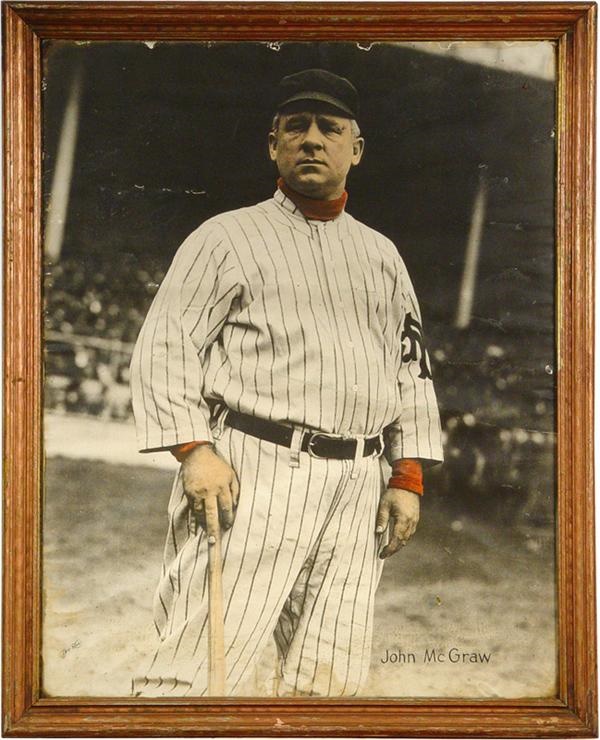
(317, 444)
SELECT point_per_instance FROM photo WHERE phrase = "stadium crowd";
(497, 405)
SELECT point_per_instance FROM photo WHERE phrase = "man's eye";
(295, 125)
(331, 128)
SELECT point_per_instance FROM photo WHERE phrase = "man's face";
(314, 151)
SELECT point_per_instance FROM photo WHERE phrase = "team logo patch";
(414, 349)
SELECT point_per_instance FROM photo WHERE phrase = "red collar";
(321, 210)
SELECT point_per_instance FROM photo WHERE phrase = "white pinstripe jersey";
(298, 321)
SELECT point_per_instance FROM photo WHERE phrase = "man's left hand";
(401, 509)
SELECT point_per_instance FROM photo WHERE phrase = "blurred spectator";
(96, 297)
(117, 399)
(90, 392)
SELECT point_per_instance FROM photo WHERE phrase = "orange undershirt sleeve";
(180, 452)
(407, 474)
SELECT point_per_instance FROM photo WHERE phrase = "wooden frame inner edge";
(575, 332)
(574, 712)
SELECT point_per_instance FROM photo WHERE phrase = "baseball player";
(282, 355)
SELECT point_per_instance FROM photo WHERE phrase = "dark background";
(170, 135)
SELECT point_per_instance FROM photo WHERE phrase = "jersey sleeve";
(188, 312)
(416, 433)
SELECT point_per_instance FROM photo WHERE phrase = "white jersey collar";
(288, 205)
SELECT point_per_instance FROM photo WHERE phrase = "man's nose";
(313, 137)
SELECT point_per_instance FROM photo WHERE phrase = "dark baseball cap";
(321, 86)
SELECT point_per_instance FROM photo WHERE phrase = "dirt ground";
(461, 590)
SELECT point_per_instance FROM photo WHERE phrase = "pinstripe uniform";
(302, 322)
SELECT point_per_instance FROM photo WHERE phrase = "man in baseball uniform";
(282, 355)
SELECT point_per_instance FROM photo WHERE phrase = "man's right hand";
(208, 481)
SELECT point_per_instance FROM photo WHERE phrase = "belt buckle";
(312, 440)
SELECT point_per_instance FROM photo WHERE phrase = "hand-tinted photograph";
(299, 399)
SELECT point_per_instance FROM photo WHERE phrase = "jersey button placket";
(331, 293)
(325, 241)
(329, 261)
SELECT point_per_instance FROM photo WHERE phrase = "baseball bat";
(216, 627)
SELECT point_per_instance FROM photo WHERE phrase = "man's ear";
(358, 147)
(272, 145)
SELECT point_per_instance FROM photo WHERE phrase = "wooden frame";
(573, 713)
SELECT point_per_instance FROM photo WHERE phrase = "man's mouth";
(311, 161)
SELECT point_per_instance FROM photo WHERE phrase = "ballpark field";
(462, 590)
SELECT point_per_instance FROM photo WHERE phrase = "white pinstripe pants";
(300, 564)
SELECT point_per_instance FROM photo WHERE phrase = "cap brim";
(321, 98)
